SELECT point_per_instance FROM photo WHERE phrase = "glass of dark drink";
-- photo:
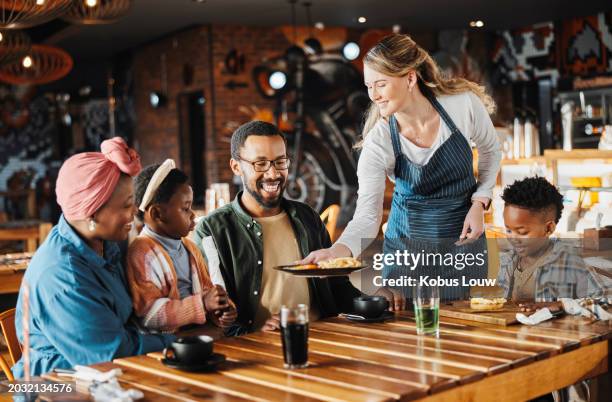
(294, 334)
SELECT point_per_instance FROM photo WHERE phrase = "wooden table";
(12, 268)
(388, 361)
(32, 232)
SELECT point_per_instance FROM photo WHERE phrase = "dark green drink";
(427, 319)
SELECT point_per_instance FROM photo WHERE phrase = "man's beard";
(267, 204)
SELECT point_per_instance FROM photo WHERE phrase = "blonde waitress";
(418, 133)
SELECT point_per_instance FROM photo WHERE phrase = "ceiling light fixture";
(351, 51)
(319, 25)
(94, 12)
(28, 13)
(43, 64)
(362, 20)
(476, 24)
(27, 62)
(157, 99)
(277, 80)
(14, 46)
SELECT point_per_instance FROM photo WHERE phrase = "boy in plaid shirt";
(540, 268)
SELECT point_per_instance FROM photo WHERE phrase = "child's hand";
(215, 299)
(228, 317)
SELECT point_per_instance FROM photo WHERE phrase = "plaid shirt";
(560, 273)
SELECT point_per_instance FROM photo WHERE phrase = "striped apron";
(429, 206)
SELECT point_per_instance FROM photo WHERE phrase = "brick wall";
(157, 134)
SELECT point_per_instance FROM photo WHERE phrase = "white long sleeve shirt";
(377, 162)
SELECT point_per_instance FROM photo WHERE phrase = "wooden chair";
(330, 218)
(7, 324)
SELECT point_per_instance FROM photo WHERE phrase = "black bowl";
(370, 306)
(190, 349)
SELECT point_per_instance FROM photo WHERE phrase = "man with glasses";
(243, 241)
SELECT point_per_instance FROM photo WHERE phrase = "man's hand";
(397, 301)
(272, 324)
(215, 299)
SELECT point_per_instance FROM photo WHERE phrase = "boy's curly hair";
(535, 194)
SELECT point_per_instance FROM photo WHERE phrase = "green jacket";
(231, 241)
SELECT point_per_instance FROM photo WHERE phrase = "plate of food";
(334, 267)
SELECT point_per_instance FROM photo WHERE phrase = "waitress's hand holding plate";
(324, 254)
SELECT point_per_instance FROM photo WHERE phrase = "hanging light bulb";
(94, 12)
(27, 62)
(14, 46)
(39, 65)
(27, 13)
(277, 80)
(351, 51)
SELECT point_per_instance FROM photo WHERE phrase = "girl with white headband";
(166, 272)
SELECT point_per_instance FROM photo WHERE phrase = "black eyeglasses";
(263, 165)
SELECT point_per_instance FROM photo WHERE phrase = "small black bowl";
(370, 306)
(190, 349)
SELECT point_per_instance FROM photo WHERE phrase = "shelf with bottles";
(558, 166)
(584, 176)
(584, 115)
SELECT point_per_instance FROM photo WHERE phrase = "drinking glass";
(294, 335)
(426, 301)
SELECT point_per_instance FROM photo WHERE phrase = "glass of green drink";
(426, 301)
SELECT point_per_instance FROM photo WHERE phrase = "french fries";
(342, 262)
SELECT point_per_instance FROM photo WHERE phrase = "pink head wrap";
(87, 180)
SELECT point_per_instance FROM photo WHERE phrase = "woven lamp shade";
(48, 64)
(14, 45)
(27, 13)
(95, 12)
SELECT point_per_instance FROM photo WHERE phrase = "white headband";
(158, 177)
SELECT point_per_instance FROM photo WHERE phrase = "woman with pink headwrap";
(79, 304)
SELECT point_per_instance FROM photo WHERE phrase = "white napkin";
(104, 386)
(112, 392)
(574, 307)
(85, 373)
(536, 318)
